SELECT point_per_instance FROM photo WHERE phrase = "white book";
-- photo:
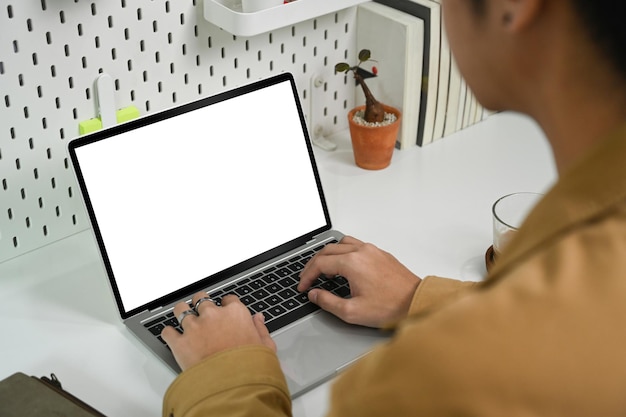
(462, 103)
(454, 92)
(444, 85)
(397, 48)
(430, 12)
(468, 117)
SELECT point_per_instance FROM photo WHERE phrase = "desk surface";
(431, 208)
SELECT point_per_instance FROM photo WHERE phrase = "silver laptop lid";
(184, 198)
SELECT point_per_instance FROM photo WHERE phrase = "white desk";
(430, 208)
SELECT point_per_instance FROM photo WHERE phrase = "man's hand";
(381, 287)
(214, 330)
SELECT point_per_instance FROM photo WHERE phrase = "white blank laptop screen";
(184, 198)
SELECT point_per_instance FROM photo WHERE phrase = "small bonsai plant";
(374, 111)
(374, 127)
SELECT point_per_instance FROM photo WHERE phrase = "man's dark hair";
(603, 20)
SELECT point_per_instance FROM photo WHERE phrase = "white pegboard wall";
(159, 54)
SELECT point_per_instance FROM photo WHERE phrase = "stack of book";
(415, 69)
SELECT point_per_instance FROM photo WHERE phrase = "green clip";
(122, 115)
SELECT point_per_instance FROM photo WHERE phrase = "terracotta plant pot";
(373, 146)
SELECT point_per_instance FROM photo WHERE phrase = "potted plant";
(374, 126)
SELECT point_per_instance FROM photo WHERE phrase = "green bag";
(28, 396)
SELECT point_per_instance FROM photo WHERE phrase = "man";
(545, 333)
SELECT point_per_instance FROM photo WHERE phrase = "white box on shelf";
(229, 15)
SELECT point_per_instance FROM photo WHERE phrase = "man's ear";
(517, 15)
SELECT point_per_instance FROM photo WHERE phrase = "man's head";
(502, 45)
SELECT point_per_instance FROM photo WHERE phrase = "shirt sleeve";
(240, 382)
(434, 292)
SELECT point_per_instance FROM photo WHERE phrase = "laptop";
(219, 195)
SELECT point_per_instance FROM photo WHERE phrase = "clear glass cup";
(509, 212)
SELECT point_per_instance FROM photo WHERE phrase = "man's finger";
(329, 302)
(170, 335)
(202, 301)
(184, 313)
(261, 328)
(230, 299)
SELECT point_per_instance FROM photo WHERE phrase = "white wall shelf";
(228, 14)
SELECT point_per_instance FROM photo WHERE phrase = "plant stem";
(374, 112)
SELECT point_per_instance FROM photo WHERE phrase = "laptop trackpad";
(315, 349)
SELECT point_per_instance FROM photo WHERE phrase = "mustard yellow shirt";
(543, 335)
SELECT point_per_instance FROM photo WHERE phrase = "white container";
(251, 6)
(229, 14)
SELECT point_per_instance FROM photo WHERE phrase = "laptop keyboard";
(272, 292)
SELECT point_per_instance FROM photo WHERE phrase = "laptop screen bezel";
(173, 112)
